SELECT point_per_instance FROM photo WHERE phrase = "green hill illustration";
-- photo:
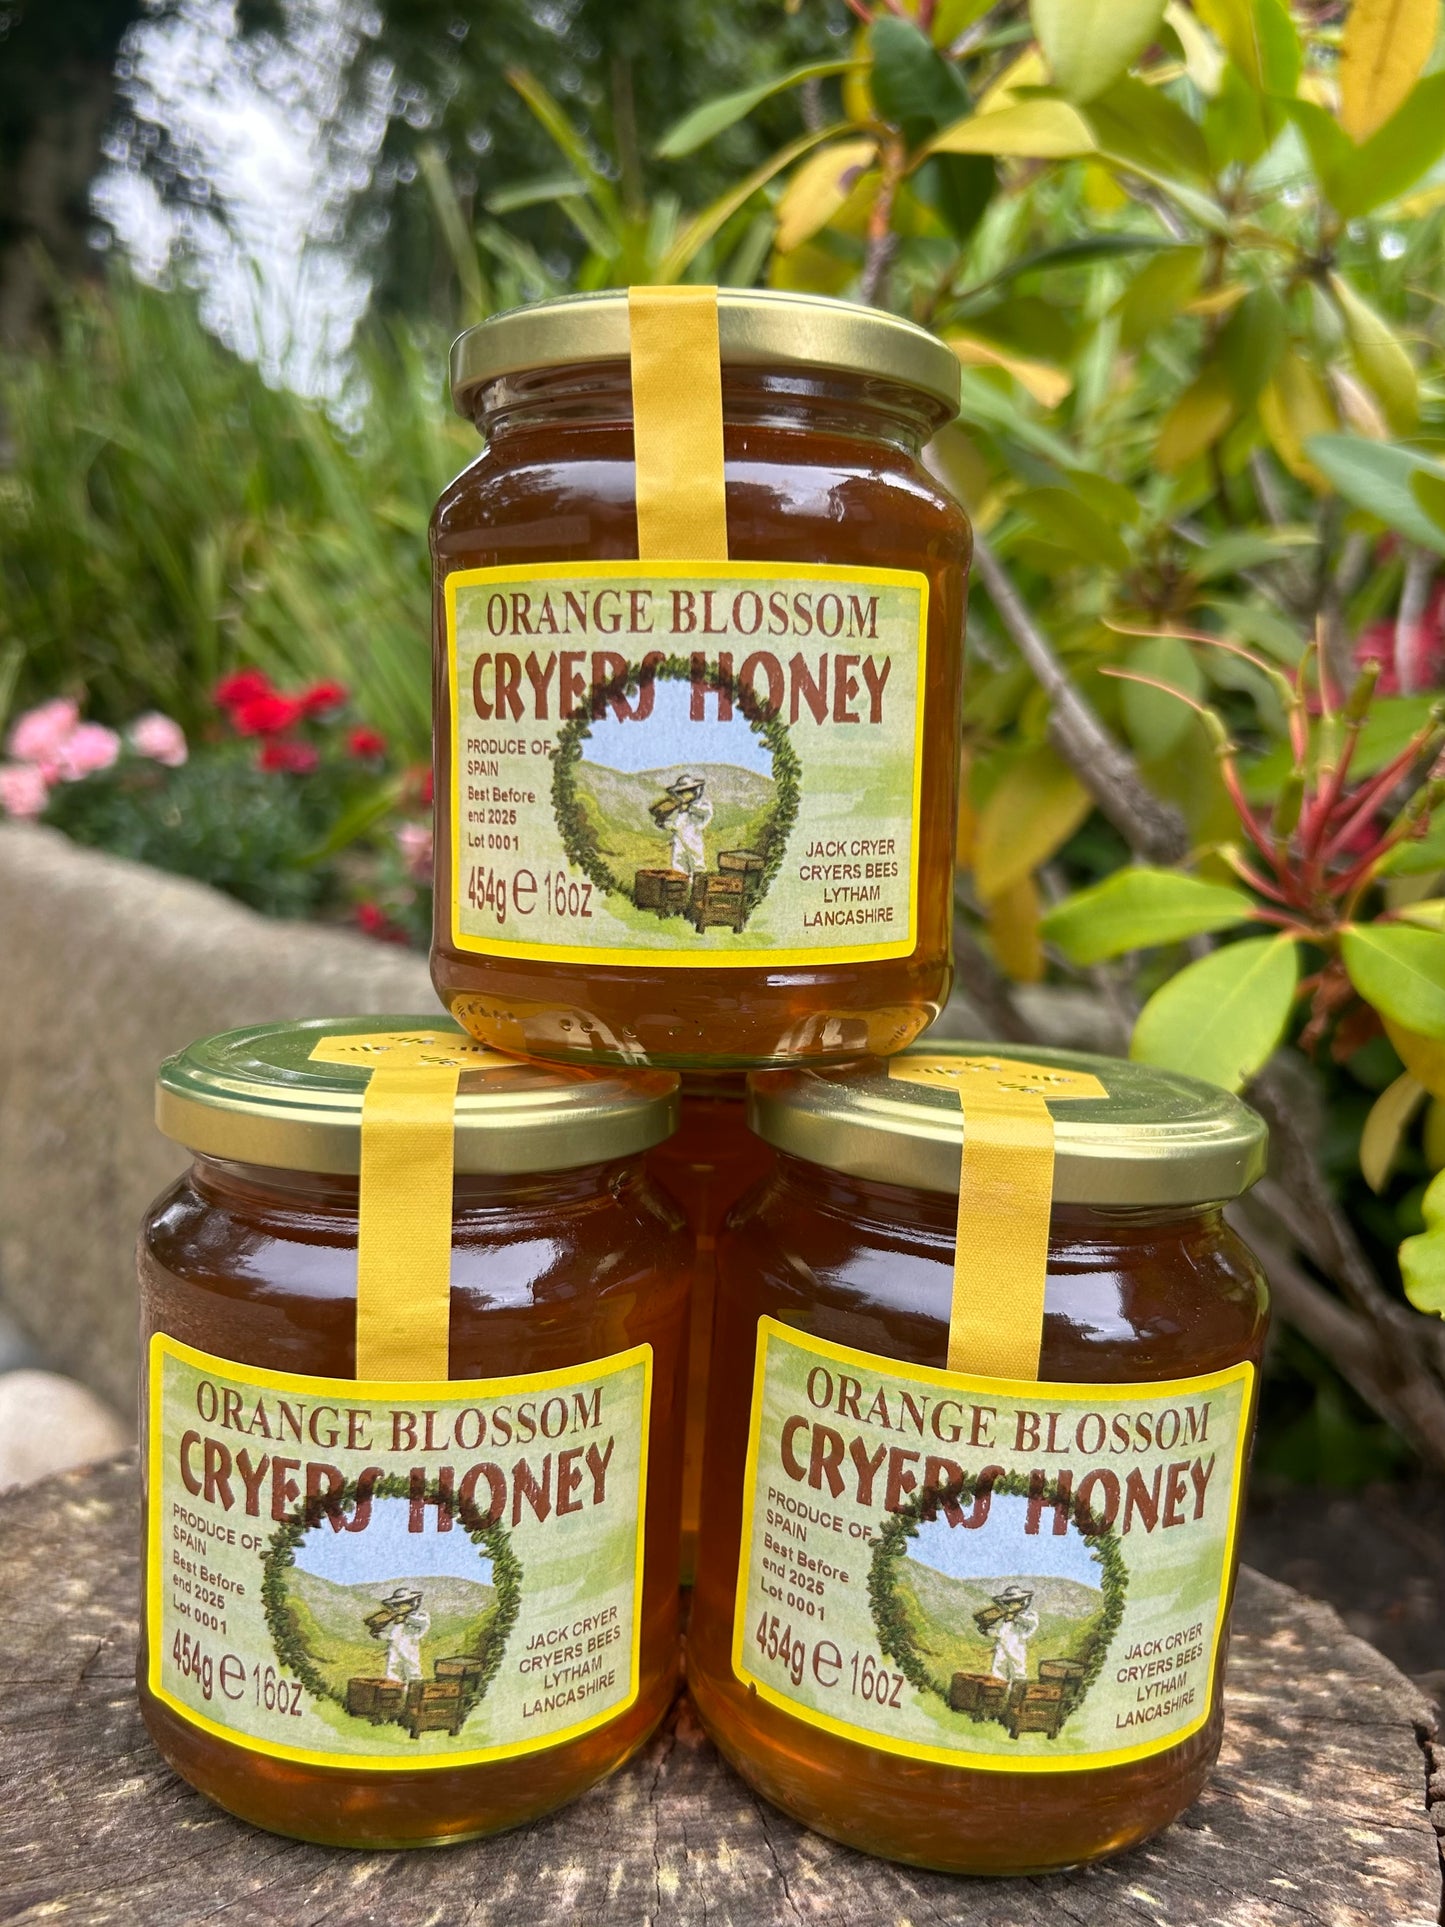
(699, 841)
(617, 803)
(331, 1621)
(940, 1616)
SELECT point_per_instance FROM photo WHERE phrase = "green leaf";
(1422, 856)
(704, 225)
(1400, 970)
(1029, 129)
(1248, 549)
(1391, 161)
(1063, 517)
(1330, 149)
(1138, 909)
(1423, 1057)
(1427, 485)
(1422, 1258)
(1196, 421)
(1148, 131)
(558, 187)
(1392, 721)
(1069, 254)
(1090, 43)
(953, 17)
(1239, 123)
(1155, 721)
(1390, 1117)
(1377, 477)
(1259, 37)
(958, 187)
(914, 87)
(1221, 1018)
(1157, 293)
(695, 129)
(564, 135)
(1250, 344)
(1379, 356)
(1035, 806)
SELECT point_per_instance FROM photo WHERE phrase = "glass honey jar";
(705, 1167)
(974, 1622)
(697, 808)
(394, 1607)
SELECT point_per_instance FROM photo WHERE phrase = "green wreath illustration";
(900, 1638)
(754, 869)
(327, 1666)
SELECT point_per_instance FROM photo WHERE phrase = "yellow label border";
(1242, 1374)
(681, 958)
(162, 1346)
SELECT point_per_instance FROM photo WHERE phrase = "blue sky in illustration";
(1001, 1549)
(669, 737)
(385, 1549)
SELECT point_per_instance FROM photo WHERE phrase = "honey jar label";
(684, 763)
(1013, 1577)
(394, 1576)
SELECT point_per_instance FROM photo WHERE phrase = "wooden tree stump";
(1316, 1817)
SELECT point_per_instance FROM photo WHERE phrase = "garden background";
(1189, 256)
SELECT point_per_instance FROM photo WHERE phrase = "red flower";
(242, 686)
(366, 742)
(323, 696)
(373, 921)
(265, 715)
(293, 759)
(427, 789)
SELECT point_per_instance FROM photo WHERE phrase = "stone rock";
(105, 968)
(51, 1424)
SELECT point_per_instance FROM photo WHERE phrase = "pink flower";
(89, 747)
(23, 789)
(414, 840)
(160, 738)
(38, 735)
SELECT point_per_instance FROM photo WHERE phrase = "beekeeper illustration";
(684, 813)
(403, 1622)
(1013, 1622)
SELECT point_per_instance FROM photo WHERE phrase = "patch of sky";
(1002, 1549)
(386, 1548)
(669, 738)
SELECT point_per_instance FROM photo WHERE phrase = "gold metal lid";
(262, 1096)
(1158, 1138)
(757, 327)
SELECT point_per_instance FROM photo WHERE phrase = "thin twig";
(1150, 827)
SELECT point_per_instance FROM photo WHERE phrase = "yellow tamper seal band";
(404, 1236)
(1005, 1196)
(677, 424)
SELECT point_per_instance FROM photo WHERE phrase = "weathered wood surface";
(1316, 1817)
